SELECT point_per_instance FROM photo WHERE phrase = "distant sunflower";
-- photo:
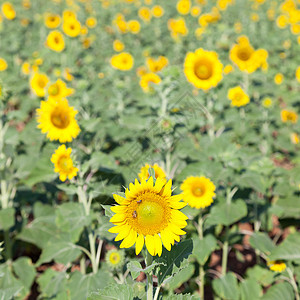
(115, 258)
(3, 64)
(289, 116)
(55, 41)
(238, 97)
(71, 27)
(203, 69)
(52, 20)
(59, 90)
(63, 163)
(148, 78)
(148, 214)
(123, 61)
(38, 83)
(198, 192)
(159, 172)
(57, 119)
(276, 266)
(8, 11)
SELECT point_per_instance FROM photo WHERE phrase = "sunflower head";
(238, 97)
(148, 214)
(276, 266)
(123, 61)
(115, 258)
(198, 192)
(38, 83)
(289, 116)
(203, 69)
(159, 172)
(55, 41)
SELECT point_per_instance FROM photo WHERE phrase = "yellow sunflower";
(118, 45)
(71, 27)
(123, 61)
(55, 41)
(91, 22)
(59, 90)
(276, 266)
(63, 163)
(267, 102)
(148, 214)
(288, 116)
(3, 64)
(295, 139)
(278, 78)
(298, 74)
(198, 192)
(8, 11)
(38, 83)
(203, 69)
(246, 57)
(134, 26)
(115, 258)
(145, 14)
(148, 78)
(159, 172)
(57, 119)
(52, 20)
(157, 11)
(183, 6)
(238, 97)
(156, 65)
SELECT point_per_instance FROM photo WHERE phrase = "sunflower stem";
(148, 262)
(293, 283)
(201, 269)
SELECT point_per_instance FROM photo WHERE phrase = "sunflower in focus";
(198, 192)
(57, 119)
(3, 64)
(38, 83)
(238, 97)
(148, 215)
(159, 172)
(63, 163)
(71, 27)
(147, 79)
(246, 57)
(55, 41)
(8, 11)
(276, 266)
(59, 90)
(203, 69)
(288, 116)
(52, 20)
(123, 61)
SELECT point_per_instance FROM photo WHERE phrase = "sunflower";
(183, 6)
(298, 74)
(8, 11)
(148, 78)
(267, 102)
(115, 258)
(71, 27)
(246, 57)
(57, 119)
(118, 45)
(134, 26)
(148, 214)
(203, 69)
(51, 20)
(3, 64)
(63, 163)
(91, 22)
(238, 97)
(295, 139)
(145, 14)
(278, 79)
(156, 65)
(198, 192)
(38, 83)
(59, 90)
(288, 116)
(177, 27)
(159, 172)
(123, 61)
(157, 11)
(276, 266)
(55, 41)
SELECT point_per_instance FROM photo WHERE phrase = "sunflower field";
(149, 149)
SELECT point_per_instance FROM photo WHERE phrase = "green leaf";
(172, 261)
(61, 252)
(102, 160)
(253, 180)
(7, 218)
(203, 248)
(108, 212)
(52, 282)
(182, 297)
(71, 217)
(135, 269)
(113, 292)
(289, 249)
(227, 214)
(81, 285)
(250, 289)
(25, 271)
(279, 291)
(262, 242)
(226, 287)
(69, 189)
(261, 275)
(287, 207)
(179, 278)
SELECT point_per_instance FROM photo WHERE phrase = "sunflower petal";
(158, 245)
(129, 240)
(139, 244)
(150, 244)
(166, 239)
(120, 200)
(117, 218)
(118, 208)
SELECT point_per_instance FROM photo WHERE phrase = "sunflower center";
(203, 69)
(41, 83)
(114, 258)
(198, 191)
(60, 119)
(238, 97)
(149, 213)
(56, 40)
(244, 54)
(65, 163)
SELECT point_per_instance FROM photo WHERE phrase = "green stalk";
(148, 261)
(293, 283)
(201, 269)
